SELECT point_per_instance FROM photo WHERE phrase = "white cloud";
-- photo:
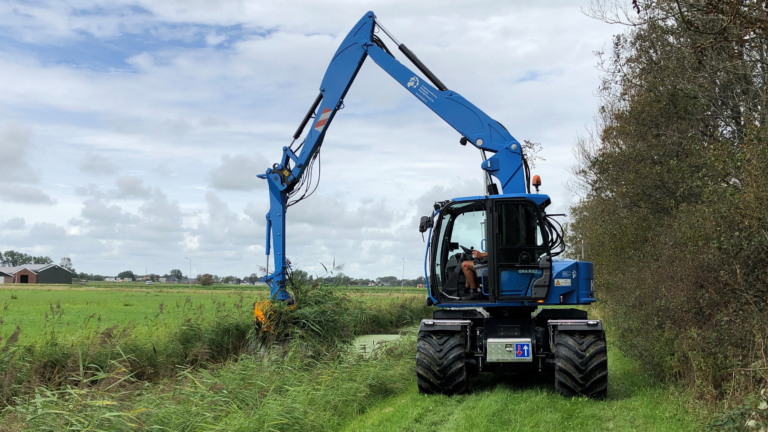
(14, 147)
(16, 170)
(98, 165)
(126, 187)
(239, 172)
(225, 229)
(24, 194)
(130, 187)
(214, 39)
(197, 92)
(334, 211)
(143, 61)
(97, 212)
(13, 224)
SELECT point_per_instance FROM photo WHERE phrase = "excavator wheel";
(440, 363)
(581, 364)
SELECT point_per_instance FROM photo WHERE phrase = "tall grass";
(321, 325)
(290, 391)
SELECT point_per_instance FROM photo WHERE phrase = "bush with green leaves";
(675, 208)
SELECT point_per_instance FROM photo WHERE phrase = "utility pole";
(402, 278)
(190, 272)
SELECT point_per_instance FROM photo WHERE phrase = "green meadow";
(192, 360)
(73, 309)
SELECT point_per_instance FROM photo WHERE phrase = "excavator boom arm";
(475, 127)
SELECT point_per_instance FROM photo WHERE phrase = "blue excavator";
(501, 308)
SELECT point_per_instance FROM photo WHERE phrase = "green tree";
(66, 263)
(177, 274)
(127, 274)
(299, 276)
(675, 209)
(41, 260)
(206, 280)
(253, 278)
(13, 259)
(388, 280)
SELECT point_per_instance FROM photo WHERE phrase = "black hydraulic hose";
(308, 116)
(412, 57)
(416, 62)
(380, 43)
(526, 172)
(556, 243)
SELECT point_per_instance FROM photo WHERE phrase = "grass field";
(34, 310)
(85, 308)
(356, 393)
(292, 389)
(517, 403)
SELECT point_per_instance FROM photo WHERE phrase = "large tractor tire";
(581, 364)
(440, 363)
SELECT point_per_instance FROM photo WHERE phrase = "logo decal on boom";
(413, 82)
(322, 120)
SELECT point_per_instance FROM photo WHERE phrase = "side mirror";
(425, 224)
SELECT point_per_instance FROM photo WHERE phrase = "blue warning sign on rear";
(523, 350)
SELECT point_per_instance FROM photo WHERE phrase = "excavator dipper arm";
(475, 127)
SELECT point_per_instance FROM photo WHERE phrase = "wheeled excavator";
(520, 322)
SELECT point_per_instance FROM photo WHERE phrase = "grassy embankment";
(87, 308)
(312, 383)
(512, 403)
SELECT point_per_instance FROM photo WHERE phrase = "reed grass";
(323, 323)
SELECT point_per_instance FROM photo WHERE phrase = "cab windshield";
(462, 225)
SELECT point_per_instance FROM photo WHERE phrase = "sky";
(131, 132)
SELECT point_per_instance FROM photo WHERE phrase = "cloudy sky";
(131, 132)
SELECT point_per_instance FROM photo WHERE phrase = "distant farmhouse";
(36, 274)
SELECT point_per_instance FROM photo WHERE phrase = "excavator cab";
(512, 230)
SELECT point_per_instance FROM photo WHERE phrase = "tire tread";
(440, 363)
(581, 364)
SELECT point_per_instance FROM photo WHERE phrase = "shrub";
(206, 280)
(675, 215)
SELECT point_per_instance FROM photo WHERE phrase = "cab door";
(517, 242)
(459, 228)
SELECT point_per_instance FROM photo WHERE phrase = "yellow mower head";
(261, 314)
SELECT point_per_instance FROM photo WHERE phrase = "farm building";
(38, 273)
(5, 278)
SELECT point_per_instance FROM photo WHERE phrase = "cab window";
(521, 240)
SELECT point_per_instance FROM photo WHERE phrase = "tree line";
(674, 212)
(333, 277)
(207, 279)
(14, 259)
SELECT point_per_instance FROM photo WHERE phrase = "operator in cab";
(468, 267)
